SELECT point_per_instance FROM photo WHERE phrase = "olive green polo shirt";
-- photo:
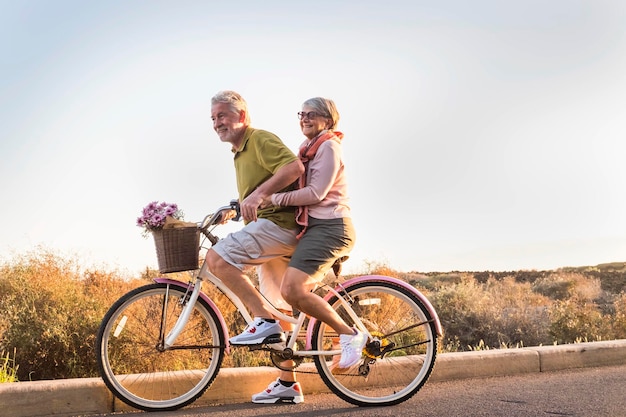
(261, 154)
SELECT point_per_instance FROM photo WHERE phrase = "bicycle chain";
(301, 371)
(310, 372)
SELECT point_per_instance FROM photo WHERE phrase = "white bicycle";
(160, 346)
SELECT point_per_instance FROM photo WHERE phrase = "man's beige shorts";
(266, 246)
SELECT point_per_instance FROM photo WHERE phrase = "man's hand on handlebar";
(249, 206)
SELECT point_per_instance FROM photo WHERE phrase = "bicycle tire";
(144, 376)
(395, 370)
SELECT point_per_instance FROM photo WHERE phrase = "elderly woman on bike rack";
(327, 232)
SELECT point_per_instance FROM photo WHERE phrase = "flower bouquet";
(154, 215)
(176, 241)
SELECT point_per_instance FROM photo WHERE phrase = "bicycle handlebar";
(216, 218)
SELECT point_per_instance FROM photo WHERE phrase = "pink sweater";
(326, 190)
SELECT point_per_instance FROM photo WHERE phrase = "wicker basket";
(177, 249)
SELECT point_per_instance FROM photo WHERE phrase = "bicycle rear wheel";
(133, 363)
(399, 359)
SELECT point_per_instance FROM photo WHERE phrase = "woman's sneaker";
(278, 393)
(351, 348)
(258, 332)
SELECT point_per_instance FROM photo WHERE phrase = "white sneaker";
(258, 332)
(278, 393)
(351, 348)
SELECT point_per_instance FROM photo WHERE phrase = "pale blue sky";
(483, 135)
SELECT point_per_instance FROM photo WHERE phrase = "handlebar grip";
(234, 204)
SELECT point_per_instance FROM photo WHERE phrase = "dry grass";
(8, 368)
(52, 309)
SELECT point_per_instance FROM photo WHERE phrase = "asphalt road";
(585, 392)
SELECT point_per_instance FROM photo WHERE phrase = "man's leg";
(270, 276)
(257, 243)
(239, 283)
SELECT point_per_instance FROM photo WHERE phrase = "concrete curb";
(85, 396)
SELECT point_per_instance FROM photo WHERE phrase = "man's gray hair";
(234, 99)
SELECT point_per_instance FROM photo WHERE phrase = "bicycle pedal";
(275, 338)
(255, 347)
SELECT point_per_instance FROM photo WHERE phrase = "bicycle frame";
(205, 275)
(196, 291)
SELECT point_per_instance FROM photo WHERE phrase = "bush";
(493, 314)
(619, 318)
(51, 314)
(52, 310)
(574, 320)
(562, 286)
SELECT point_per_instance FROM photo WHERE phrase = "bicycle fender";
(395, 281)
(175, 283)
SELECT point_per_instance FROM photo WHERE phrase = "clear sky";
(482, 135)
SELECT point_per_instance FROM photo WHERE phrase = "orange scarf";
(307, 153)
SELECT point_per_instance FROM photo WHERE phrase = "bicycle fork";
(188, 301)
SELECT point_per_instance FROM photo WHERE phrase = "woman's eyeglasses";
(310, 115)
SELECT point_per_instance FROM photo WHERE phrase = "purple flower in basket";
(153, 215)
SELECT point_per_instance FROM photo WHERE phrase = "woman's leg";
(296, 290)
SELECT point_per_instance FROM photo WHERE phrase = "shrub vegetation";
(51, 309)
(8, 368)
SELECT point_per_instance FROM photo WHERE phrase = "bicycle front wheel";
(399, 358)
(135, 365)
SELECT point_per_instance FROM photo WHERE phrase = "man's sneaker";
(258, 332)
(278, 393)
(351, 348)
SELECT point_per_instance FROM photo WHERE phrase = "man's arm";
(285, 176)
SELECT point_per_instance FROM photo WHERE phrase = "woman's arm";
(285, 175)
(322, 173)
